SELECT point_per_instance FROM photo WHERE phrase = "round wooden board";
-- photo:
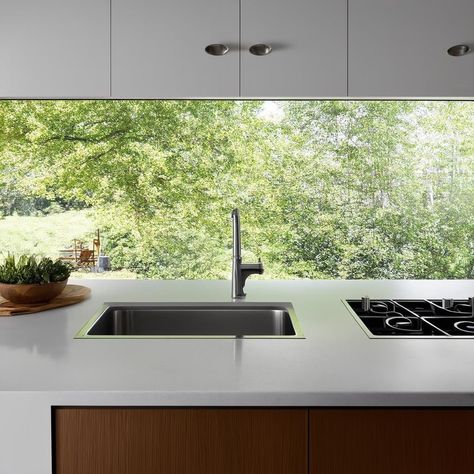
(72, 294)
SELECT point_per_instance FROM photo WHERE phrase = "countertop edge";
(240, 399)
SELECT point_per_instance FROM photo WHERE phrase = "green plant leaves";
(30, 269)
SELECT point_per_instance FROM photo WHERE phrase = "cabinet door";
(398, 48)
(180, 441)
(158, 48)
(309, 48)
(391, 441)
(54, 48)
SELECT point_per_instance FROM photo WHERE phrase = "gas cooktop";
(425, 318)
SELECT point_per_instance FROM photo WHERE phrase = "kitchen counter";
(42, 365)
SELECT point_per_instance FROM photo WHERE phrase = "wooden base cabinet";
(391, 441)
(263, 441)
(180, 441)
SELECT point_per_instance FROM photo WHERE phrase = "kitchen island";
(335, 365)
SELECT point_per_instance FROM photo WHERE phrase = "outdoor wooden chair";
(87, 259)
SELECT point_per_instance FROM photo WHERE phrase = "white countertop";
(42, 365)
(337, 364)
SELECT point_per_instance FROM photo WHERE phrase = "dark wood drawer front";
(391, 441)
(180, 441)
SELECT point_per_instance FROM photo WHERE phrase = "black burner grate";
(415, 318)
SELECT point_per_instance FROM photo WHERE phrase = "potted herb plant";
(29, 279)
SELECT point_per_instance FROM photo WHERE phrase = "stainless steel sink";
(193, 320)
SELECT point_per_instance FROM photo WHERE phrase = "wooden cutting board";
(72, 294)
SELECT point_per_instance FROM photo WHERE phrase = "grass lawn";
(46, 235)
(113, 275)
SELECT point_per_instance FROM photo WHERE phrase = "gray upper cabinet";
(235, 48)
(398, 48)
(158, 48)
(54, 48)
(308, 40)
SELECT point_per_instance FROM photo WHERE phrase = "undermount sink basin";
(193, 320)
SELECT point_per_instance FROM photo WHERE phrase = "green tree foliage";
(327, 189)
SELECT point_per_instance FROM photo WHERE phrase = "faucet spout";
(240, 271)
(236, 248)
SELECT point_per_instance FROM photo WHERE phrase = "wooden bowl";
(31, 294)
